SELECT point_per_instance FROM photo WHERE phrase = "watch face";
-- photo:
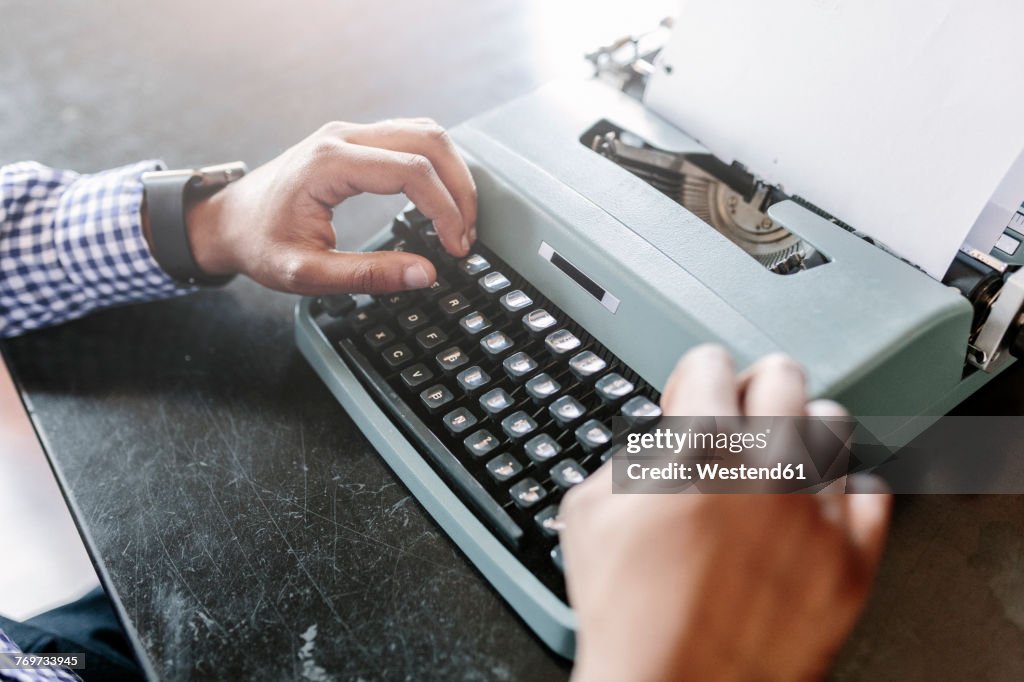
(221, 174)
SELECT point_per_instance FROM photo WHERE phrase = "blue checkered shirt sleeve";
(71, 244)
(30, 674)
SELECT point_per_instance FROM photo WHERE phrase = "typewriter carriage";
(737, 205)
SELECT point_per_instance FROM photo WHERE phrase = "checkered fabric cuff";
(71, 244)
(31, 674)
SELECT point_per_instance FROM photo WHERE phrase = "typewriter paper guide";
(899, 118)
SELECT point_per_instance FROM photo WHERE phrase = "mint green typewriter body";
(872, 331)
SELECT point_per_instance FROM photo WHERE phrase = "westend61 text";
(715, 472)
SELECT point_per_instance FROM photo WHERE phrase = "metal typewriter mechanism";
(739, 215)
(726, 198)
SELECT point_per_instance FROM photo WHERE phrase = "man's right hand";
(274, 224)
(717, 586)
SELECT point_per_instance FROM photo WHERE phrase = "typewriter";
(610, 242)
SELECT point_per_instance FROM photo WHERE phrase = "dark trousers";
(86, 626)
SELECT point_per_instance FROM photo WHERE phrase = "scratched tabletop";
(245, 527)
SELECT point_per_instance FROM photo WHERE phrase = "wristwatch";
(168, 194)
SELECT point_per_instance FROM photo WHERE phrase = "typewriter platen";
(610, 242)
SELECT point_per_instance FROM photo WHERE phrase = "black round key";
(411, 319)
(451, 359)
(503, 467)
(439, 287)
(593, 435)
(416, 375)
(380, 336)
(587, 365)
(474, 323)
(640, 410)
(568, 473)
(414, 217)
(359, 320)
(473, 264)
(396, 356)
(481, 442)
(472, 379)
(542, 448)
(566, 410)
(613, 387)
(496, 343)
(515, 301)
(542, 388)
(519, 365)
(494, 282)
(452, 304)
(431, 240)
(337, 305)
(431, 337)
(527, 493)
(538, 321)
(496, 401)
(556, 558)
(394, 301)
(401, 228)
(518, 425)
(547, 521)
(561, 342)
(458, 420)
(436, 397)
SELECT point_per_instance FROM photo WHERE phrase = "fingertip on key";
(415, 276)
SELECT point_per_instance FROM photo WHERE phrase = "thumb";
(316, 272)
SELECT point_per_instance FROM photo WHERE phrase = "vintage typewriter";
(610, 242)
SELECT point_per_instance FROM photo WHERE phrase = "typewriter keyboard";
(507, 397)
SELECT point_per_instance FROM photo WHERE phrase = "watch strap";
(167, 198)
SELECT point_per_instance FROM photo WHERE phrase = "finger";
(773, 387)
(349, 169)
(825, 409)
(587, 495)
(313, 272)
(427, 138)
(702, 384)
(835, 423)
(867, 516)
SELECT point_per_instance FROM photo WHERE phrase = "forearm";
(71, 244)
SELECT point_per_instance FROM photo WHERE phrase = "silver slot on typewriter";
(727, 198)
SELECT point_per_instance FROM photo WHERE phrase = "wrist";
(206, 219)
(663, 655)
(612, 668)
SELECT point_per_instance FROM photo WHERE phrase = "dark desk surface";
(230, 500)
